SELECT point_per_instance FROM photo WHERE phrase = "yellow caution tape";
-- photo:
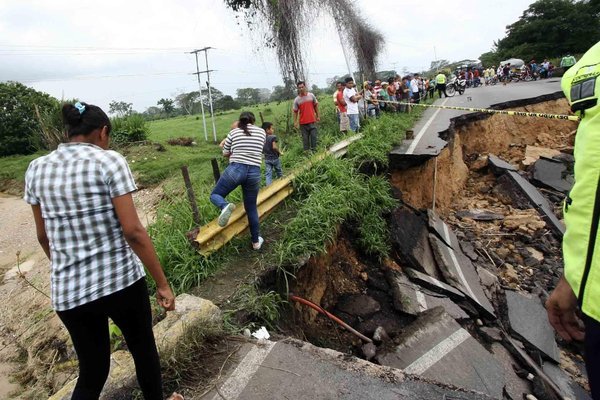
(490, 111)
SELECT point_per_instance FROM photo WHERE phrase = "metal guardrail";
(212, 237)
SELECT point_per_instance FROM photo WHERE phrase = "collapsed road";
(456, 311)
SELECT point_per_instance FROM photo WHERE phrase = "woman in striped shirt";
(243, 146)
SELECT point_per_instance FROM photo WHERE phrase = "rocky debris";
(528, 319)
(479, 215)
(552, 174)
(190, 312)
(410, 240)
(369, 350)
(538, 201)
(523, 221)
(499, 166)
(411, 299)
(533, 153)
(437, 347)
(358, 305)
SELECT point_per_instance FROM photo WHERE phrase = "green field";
(152, 167)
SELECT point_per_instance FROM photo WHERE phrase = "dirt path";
(26, 318)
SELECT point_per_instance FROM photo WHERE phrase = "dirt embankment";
(478, 135)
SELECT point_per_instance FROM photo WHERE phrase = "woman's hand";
(165, 298)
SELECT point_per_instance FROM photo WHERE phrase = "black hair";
(349, 79)
(339, 83)
(301, 83)
(246, 118)
(391, 80)
(84, 120)
(266, 126)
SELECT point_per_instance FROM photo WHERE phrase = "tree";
(186, 101)
(438, 65)
(226, 103)
(167, 105)
(552, 28)
(490, 58)
(120, 108)
(285, 92)
(216, 95)
(248, 96)
(316, 90)
(20, 128)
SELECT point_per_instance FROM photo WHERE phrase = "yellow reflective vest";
(440, 79)
(581, 242)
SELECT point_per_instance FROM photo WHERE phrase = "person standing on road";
(306, 115)
(414, 88)
(440, 84)
(579, 287)
(567, 62)
(351, 97)
(87, 224)
(244, 147)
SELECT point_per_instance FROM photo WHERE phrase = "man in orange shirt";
(306, 114)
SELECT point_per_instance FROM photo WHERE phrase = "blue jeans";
(354, 122)
(271, 165)
(248, 176)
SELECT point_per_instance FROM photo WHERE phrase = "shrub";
(19, 126)
(129, 129)
(181, 141)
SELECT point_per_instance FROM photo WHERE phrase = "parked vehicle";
(456, 84)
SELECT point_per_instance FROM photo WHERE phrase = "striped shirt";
(245, 149)
(90, 257)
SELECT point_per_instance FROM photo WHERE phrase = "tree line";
(549, 29)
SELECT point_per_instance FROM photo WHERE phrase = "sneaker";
(257, 246)
(225, 214)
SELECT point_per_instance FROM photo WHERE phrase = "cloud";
(66, 47)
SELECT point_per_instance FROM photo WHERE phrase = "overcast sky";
(135, 51)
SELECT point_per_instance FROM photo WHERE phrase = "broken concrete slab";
(411, 299)
(515, 387)
(568, 388)
(292, 369)
(433, 284)
(437, 347)
(478, 214)
(529, 320)
(539, 202)
(552, 174)
(409, 239)
(459, 272)
(533, 153)
(499, 166)
(441, 229)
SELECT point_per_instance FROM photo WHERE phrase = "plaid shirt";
(74, 186)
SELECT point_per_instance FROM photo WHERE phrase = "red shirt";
(340, 100)
(305, 105)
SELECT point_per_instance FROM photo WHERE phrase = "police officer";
(440, 84)
(579, 287)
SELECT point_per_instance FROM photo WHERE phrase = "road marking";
(417, 138)
(235, 385)
(457, 266)
(421, 300)
(437, 352)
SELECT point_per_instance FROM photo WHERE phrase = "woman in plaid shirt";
(88, 226)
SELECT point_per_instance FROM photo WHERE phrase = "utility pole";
(195, 53)
(210, 102)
